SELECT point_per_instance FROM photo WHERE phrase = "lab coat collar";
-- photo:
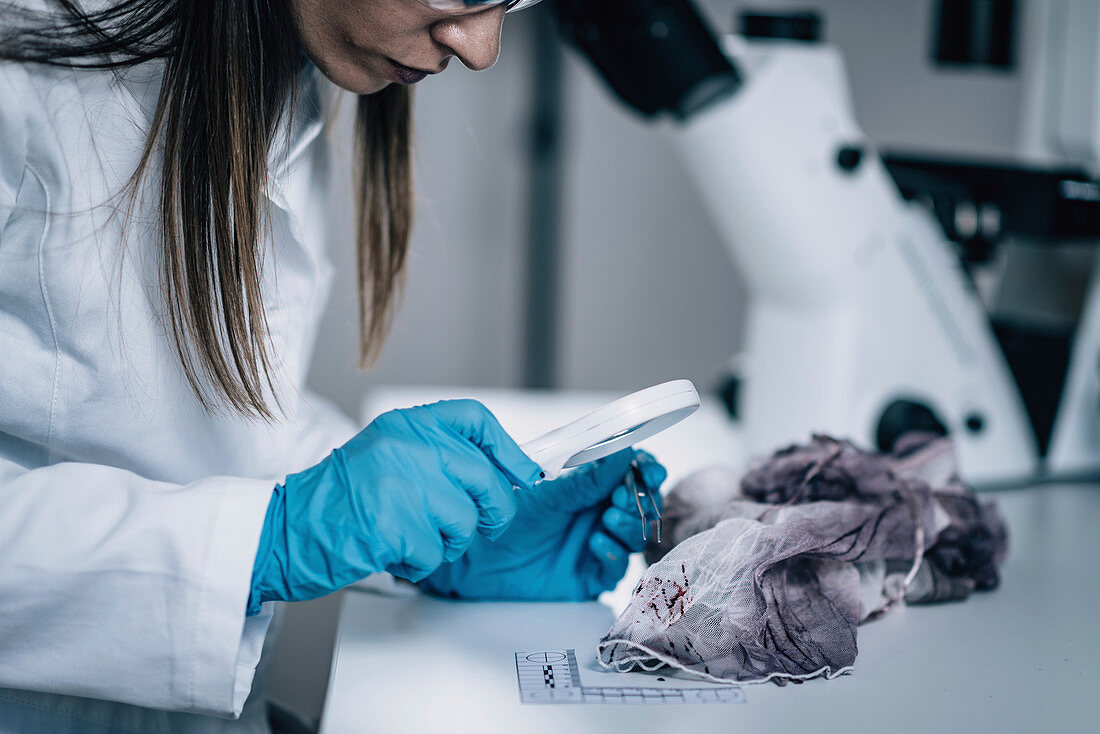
(302, 125)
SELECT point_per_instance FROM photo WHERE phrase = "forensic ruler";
(552, 676)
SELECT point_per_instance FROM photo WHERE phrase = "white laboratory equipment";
(863, 319)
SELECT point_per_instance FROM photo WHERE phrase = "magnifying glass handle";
(541, 451)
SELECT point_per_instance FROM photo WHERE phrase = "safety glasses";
(471, 6)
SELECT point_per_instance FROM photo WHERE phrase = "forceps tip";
(634, 478)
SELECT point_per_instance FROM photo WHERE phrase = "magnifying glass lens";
(617, 436)
(602, 433)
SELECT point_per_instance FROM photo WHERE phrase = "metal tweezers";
(635, 484)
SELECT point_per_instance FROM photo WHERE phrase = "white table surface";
(1021, 658)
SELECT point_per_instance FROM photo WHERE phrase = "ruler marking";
(553, 676)
(574, 669)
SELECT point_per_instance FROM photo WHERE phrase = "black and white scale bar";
(552, 676)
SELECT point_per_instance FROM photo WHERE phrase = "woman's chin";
(354, 78)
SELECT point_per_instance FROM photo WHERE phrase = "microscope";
(866, 317)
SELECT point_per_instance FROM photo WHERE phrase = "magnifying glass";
(613, 427)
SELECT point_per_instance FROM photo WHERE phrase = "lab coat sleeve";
(116, 587)
(324, 427)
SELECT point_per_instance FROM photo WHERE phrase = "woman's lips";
(406, 74)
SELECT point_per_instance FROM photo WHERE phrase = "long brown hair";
(230, 73)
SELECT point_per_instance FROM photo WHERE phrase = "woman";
(163, 472)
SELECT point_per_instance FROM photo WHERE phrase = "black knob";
(901, 417)
(849, 157)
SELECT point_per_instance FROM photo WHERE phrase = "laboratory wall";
(648, 292)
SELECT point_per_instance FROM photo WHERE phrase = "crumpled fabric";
(768, 578)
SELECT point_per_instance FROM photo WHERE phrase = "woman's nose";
(474, 38)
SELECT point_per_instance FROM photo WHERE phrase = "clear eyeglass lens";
(516, 5)
(460, 6)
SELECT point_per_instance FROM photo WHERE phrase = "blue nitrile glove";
(408, 493)
(570, 540)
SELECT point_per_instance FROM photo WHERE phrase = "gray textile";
(769, 579)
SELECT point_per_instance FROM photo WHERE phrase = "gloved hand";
(409, 492)
(570, 540)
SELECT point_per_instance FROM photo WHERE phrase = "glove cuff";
(276, 510)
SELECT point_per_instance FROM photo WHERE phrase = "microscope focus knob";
(901, 417)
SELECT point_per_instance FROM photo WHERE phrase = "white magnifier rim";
(614, 427)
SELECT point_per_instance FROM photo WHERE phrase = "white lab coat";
(129, 518)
